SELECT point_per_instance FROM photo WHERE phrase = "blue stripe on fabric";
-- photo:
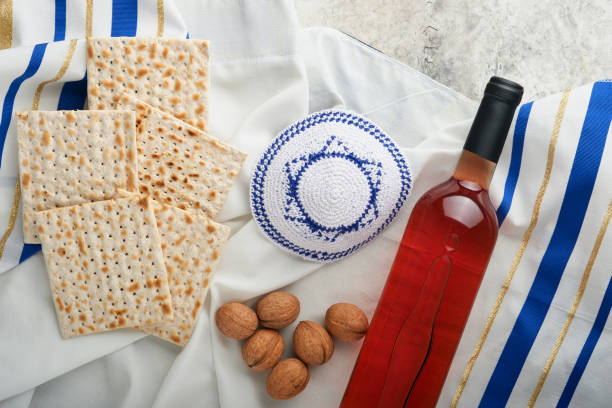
(60, 20)
(573, 208)
(9, 99)
(518, 141)
(587, 348)
(28, 250)
(73, 95)
(125, 18)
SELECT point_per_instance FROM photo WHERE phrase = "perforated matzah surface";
(170, 74)
(191, 245)
(180, 165)
(73, 157)
(105, 265)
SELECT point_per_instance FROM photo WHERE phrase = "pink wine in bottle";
(437, 271)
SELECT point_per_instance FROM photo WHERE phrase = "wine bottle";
(437, 271)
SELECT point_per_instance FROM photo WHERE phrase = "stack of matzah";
(123, 200)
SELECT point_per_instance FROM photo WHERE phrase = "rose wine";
(436, 274)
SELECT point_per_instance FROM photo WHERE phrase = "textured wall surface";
(546, 45)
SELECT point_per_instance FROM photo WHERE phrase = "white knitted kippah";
(328, 184)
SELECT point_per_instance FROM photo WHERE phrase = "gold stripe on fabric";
(570, 316)
(88, 17)
(160, 18)
(12, 217)
(59, 74)
(17, 195)
(535, 214)
(6, 24)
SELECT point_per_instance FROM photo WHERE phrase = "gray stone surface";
(546, 45)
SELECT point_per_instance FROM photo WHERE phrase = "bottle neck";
(474, 168)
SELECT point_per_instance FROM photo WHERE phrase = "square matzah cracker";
(105, 265)
(73, 157)
(191, 246)
(170, 74)
(180, 165)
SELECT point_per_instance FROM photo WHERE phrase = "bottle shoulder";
(464, 202)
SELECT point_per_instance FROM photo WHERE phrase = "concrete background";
(546, 45)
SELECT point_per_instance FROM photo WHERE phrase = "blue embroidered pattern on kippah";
(347, 118)
(294, 169)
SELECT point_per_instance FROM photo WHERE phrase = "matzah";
(105, 265)
(191, 245)
(180, 165)
(73, 157)
(170, 74)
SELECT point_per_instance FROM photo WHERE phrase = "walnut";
(236, 320)
(312, 343)
(346, 322)
(278, 310)
(287, 379)
(263, 350)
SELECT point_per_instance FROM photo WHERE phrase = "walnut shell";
(346, 322)
(263, 350)
(236, 320)
(278, 310)
(312, 343)
(287, 379)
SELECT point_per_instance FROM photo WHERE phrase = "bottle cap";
(493, 119)
(328, 184)
(504, 90)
